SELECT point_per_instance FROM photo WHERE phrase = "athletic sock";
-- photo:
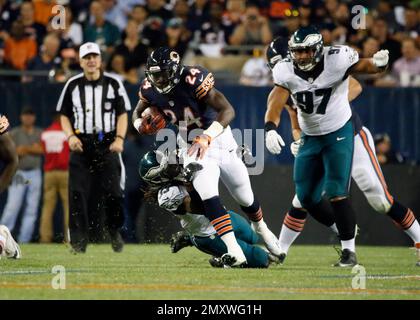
(345, 218)
(414, 231)
(322, 212)
(223, 227)
(293, 224)
(222, 223)
(349, 244)
(254, 211)
(404, 218)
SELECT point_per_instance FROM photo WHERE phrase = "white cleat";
(270, 240)
(11, 248)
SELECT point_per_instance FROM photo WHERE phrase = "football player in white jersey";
(8, 165)
(168, 185)
(317, 77)
(366, 172)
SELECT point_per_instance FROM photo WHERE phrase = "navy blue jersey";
(186, 101)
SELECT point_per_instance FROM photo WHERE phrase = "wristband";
(214, 130)
(118, 136)
(270, 126)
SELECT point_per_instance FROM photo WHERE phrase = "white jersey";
(171, 198)
(321, 94)
(196, 224)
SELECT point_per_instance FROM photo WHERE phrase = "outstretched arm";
(225, 114)
(276, 101)
(376, 64)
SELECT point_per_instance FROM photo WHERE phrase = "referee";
(93, 107)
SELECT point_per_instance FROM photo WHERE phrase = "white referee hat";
(88, 47)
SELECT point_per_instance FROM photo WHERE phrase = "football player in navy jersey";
(8, 166)
(186, 94)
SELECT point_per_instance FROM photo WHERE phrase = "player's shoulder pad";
(283, 72)
(199, 79)
(341, 57)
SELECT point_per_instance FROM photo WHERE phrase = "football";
(152, 121)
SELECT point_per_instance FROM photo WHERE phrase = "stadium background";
(391, 109)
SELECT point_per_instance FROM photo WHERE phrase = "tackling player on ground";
(168, 185)
(187, 94)
(8, 166)
(316, 77)
(366, 172)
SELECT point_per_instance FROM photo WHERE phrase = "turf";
(152, 272)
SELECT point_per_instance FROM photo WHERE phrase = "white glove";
(170, 198)
(294, 147)
(274, 142)
(381, 58)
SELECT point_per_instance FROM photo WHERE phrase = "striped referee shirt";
(93, 106)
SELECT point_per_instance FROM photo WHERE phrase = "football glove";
(274, 142)
(294, 147)
(200, 145)
(381, 58)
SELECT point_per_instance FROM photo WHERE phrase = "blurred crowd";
(127, 30)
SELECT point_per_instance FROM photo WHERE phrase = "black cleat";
(216, 262)
(117, 242)
(276, 259)
(77, 249)
(229, 261)
(347, 259)
(180, 240)
(282, 257)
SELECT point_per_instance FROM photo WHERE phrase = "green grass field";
(152, 272)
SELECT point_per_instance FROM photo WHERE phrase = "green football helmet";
(152, 168)
(306, 38)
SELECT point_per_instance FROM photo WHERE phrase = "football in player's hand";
(152, 121)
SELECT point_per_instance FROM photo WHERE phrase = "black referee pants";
(94, 184)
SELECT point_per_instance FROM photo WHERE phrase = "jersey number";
(188, 117)
(191, 78)
(334, 50)
(305, 100)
